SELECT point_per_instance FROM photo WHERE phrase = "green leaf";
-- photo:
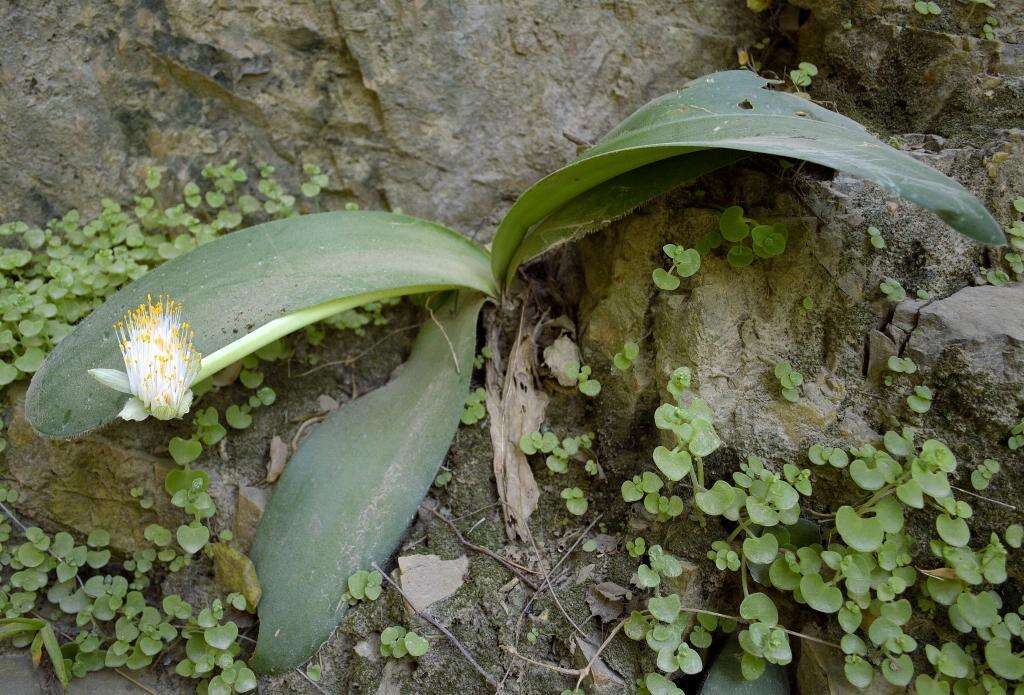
(222, 636)
(665, 608)
(712, 113)
(601, 205)
(726, 676)
(664, 280)
(52, 647)
(898, 670)
(192, 538)
(759, 607)
(674, 464)
(415, 644)
(858, 671)
(241, 282)
(953, 530)
(761, 550)
(184, 451)
(820, 596)
(1002, 660)
(860, 533)
(732, 225)
(348, 493)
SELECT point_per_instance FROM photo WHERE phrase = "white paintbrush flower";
(160, 361)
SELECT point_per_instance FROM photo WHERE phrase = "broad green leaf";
(609, 201)
(347, 494)
(732, 110)
(725, 676)
(240, 283)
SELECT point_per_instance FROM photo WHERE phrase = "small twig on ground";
(546, 582)
(349, 361)
(551, 590)
(593, 660)
(9, 513)
(516, 569)
(576, 139)
(311, 681)
(136, 683)
(307, 423)
(542, 664)
(475, 511)
(982, 497)
(444, 631)
(738, 619)
(440, 327)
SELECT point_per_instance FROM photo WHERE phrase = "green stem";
(280, 327)
(735, 532)
(881, 494)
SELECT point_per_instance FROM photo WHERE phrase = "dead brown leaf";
(558, 356)
(606, 600)
(326, 403)
(278, 457)
(515, 408)
(939, 573)
(228, 375)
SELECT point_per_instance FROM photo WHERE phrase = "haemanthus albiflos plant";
(248, 288)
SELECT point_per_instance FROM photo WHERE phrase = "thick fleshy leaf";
(732, 110)
(348, 493)
(613, 199)
(726, 678)
(240, 282)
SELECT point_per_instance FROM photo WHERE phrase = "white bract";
(160, 361)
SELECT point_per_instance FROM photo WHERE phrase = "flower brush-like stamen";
(160, 361)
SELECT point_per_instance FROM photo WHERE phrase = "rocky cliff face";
(449, 110)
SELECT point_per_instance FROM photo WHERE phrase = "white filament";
(159, 359)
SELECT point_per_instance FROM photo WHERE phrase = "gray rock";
(880, 348)
(447, 110)
(19, 676)
(427, 579)
(984, 326)
(86, 483)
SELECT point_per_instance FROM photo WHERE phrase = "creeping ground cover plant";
(344, 499)
(852, 564)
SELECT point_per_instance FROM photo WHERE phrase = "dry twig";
(444, 631)
(516, 569)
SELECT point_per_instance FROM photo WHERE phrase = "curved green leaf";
(236, 285)
(348, 493)
(732, 110)
(725, 677)
(617, 197)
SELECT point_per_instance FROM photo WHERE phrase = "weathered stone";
(251, 503)
(600, 680)
(984, 325)
(880, 348)
(732, 325)
(86, 483)
(427, 579)
(904, 316)
(234, 572)
(18, 675)
(107, 682)
(446, 110)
